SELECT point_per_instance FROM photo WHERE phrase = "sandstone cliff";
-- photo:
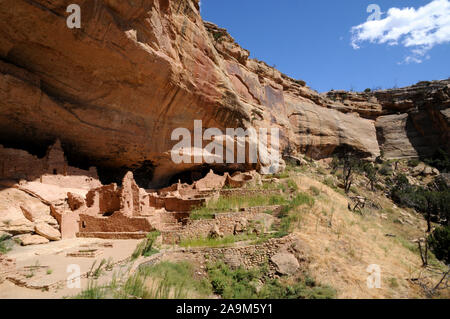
(412, 121)
(114, 90)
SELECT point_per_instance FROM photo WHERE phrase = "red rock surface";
(114, 90)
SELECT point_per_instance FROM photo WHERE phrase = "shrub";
(439, 242)
(413, 162)
(241, 284)
(350, 162)
(386, 169)
(314, 190)
(4, 244)
(329, 182)
(440, 160)
(368, 90)
(434, 203)
(292, 185)
(371, 173)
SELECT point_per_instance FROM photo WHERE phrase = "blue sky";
(312, 40)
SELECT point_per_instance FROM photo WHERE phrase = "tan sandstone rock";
(47, 231)
(175, 68)
(29, 239)
(37, 216)
(286, 263)
(124, 90)
(75, 201)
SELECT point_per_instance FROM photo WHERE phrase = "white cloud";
(419, 29)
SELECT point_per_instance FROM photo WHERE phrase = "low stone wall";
(175, 204)
(172, 217)
(116, 223)
(249, 192)
(255, 255)
(225, 223)
(113, 235)
(246, 256)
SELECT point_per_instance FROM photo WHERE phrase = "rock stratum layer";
(114, 90)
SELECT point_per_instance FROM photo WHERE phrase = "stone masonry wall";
(224, 222)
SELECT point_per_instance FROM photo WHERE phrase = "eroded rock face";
(114, 91)
(412, 121)
(169, 70)
(19, 212)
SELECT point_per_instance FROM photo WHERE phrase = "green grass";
(162, 281)
(234, 204)
(135, 287)
(93, 291)
(234, 284)
(145, 247)
(274, 289)
(288, 219)
(289, 216)
(180, 273)
(243, 283)
(296, 169)
(329, 182)
(215, 242)
(292, 185)
(273, 186)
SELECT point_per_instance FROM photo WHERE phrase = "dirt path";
(42, 271)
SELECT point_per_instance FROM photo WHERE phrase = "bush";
(233, 284)
(292, 185)
(329, 182)
(386, 170)
(241, 284)
(413, 162)
(439, 242)
(4, 244)
(435, 203)
(314, 190)
(440, 160)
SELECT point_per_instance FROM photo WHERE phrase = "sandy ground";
(53, 267)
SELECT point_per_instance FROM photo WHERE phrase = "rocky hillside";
(114, 90)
